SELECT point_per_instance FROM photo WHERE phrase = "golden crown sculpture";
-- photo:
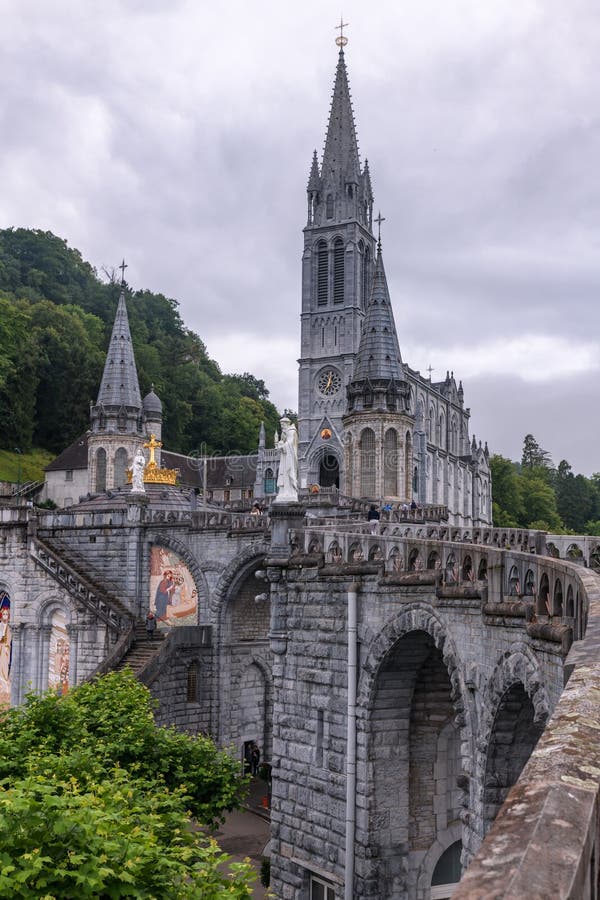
(153, 474)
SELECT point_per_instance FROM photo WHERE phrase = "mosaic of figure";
(59, 653)
(5, 648)
(173, 594)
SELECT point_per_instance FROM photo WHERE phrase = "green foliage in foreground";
(95, 800)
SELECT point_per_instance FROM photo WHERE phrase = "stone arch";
(334, 553)
(557, 600)
(467, 568)
(574, 551)
(375, 553)
(412, 658)
(543, 601)
(414, 558)
(355, 552)
(433, 560)
(482, 570)
(235, 571)
(529, 583)
(515, 708)
(570, 603)
(438, 848)
(255, 691)
(396, 559)
(513, 586)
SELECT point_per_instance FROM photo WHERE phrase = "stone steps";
(141, 651)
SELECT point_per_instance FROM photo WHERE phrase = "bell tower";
(337, 274)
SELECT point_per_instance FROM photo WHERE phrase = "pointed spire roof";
(340, 155)
(314, 179)
(379, 352)
(120, 386)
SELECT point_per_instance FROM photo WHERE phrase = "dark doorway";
(329, 471)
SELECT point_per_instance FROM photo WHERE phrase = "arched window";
(407, 466)
(482, 571)
(100, 470)
(120, 467)
(529, 586)
(453, 436)
(557, 608)
(338, 271)
(431, 424)
(415, 484)
(367, 463)
(329, 206)
(270, 485)
(366, 280)
(543, 603)
(569, 607)
(390, 463)
(467, 569)
(349, 485)
(122, 419)
(442, 431)
(322, 273)
(514, 587)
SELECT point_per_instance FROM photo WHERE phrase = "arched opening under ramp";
(329, 471)
(512, 740)
(415, 755)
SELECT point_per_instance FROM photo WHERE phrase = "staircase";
(142, 650)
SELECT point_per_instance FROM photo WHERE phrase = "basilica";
(369, 425)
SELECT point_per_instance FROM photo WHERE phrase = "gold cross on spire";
(122, 267)
(152, 445)
(342, 40)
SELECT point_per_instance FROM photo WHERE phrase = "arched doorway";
(329, 471)
(415, 748)
(447, 872)
(513, 738)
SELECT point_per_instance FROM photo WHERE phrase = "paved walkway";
(246, 833)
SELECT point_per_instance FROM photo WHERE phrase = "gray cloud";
(181, 136)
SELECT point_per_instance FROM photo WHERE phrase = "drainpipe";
(351, 743)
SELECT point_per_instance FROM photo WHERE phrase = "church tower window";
(120, 467)
(365, 278)
(338, 271)
(367, 463)
(322, 272)
(101, 470)
(329, 206)
(390, 463)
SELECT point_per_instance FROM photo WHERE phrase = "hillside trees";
(55, 323)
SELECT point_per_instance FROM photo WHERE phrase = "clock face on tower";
(329, 382)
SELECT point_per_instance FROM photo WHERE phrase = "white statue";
(137, 476)
(287, 479)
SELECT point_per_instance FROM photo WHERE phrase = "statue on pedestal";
(287, 479)
(137, 477)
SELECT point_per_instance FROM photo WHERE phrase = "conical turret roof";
(120, 386)
(378, 354)
(340, 155)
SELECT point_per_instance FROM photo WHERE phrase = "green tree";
(507, 506)
(95, 800)
(539, 502)
(534, 456)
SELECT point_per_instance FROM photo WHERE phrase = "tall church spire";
(340, 156)
(341, 190)
(119, 386)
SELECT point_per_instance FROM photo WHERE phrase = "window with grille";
(192, 682)
(329, 206)
(367, 463)
(338, 272)
(322, 273)
(270, 483)
(390, 464)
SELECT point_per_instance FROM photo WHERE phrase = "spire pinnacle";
(379, 220)
(122, 267)
(341, 40)
(120, 386)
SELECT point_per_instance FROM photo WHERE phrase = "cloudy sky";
(179, 134)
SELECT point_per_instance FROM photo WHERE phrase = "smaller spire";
(122, 267)
(314, 177)
(262, 437)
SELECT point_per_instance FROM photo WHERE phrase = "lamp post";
(18, 451)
